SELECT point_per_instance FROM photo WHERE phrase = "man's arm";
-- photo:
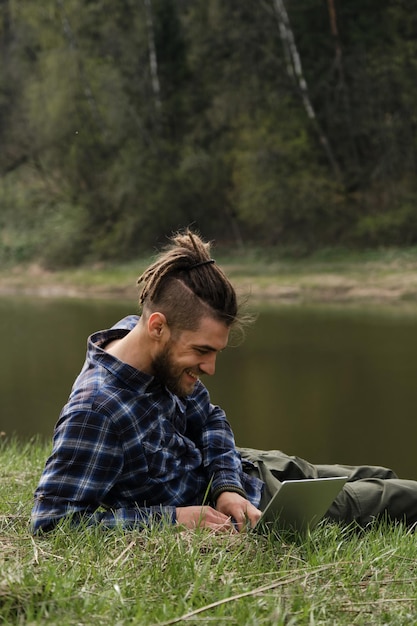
(85, 463)
(46, 515)
(223, 463)
(220, 457)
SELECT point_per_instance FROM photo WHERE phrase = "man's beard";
(165, 371)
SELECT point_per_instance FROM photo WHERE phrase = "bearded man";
(139, 441)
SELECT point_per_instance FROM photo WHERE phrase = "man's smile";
(192, 374)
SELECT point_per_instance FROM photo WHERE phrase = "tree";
(259, 122)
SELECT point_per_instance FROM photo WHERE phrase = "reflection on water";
(331, 386)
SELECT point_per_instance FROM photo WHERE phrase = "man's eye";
(203, 351)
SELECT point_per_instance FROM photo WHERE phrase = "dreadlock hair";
(185, 284)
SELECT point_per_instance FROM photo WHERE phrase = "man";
(139, 441)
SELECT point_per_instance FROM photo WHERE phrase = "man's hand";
(238, 508)
(203, 517)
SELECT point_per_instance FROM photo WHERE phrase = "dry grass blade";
(125, 551)
(245, 594)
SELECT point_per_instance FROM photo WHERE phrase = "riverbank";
(368, 277)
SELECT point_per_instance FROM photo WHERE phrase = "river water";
(331, 385)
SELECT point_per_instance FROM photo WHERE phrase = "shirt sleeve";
(220, 457)
(85, 463)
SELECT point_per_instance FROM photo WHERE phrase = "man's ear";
(157, 326)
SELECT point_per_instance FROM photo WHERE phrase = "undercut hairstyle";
(186, 284)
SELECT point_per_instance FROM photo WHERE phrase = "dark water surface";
(331, 386)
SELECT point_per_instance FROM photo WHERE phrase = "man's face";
(183, 360)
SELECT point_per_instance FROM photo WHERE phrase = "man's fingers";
(203, 517)
(242, 520)
(239, 508)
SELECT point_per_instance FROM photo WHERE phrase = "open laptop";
(299, 505)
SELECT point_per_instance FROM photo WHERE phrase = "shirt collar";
(96, 354)
(129, 374)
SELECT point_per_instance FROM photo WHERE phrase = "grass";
(336, 575)
(333, 275)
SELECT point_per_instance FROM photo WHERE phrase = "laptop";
(299, 505)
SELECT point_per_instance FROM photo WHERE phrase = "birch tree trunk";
(295, 71)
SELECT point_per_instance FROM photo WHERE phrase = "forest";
(288, 124)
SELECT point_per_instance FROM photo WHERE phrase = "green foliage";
(390, 228)
(64, 242)
(279, 190)
(210, 130)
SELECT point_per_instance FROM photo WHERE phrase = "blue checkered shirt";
(127, 451)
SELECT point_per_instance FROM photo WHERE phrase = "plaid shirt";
(127, 451)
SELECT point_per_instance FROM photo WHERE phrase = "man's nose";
(208, 364)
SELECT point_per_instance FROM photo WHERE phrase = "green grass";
(334, 275)
(73, 577)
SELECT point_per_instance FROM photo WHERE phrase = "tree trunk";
(153, 59)
(295, 71)
(342, 82)
(86, 85)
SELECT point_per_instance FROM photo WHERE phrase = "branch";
(14, 165)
